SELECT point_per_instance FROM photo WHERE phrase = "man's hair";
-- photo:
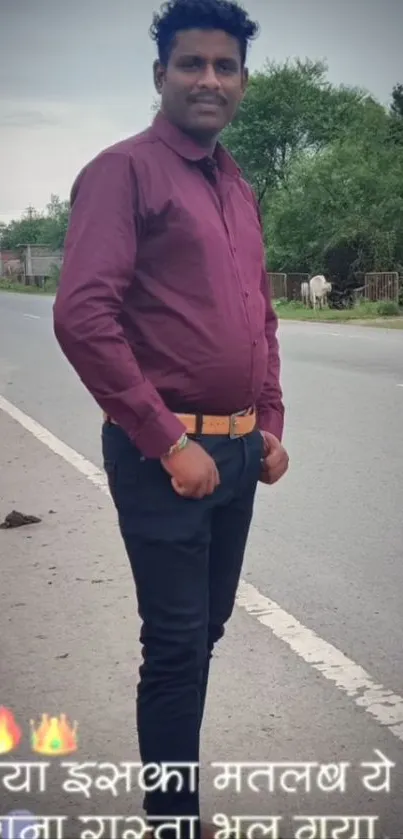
(178, 15)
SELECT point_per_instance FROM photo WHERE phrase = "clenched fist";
(193, 472)
(275, 459)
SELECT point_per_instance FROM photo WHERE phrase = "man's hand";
(193, 472)
(275, 459)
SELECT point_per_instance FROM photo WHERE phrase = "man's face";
(203, 83)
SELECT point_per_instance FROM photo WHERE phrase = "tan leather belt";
(236, 425)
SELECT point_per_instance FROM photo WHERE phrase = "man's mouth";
(208, 103)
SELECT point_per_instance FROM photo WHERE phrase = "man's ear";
(159, 75)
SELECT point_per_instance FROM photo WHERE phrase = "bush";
(51, 283)
(11, 285)
(388, 309)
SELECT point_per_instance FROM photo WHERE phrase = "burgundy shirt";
(163, 304)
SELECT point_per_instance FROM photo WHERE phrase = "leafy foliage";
(348, 196)
(291, 109)
(327, 167)
(38, 229)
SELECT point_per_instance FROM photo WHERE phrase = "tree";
(397, 101)
(396, 114)
(38, 229)
(25, 231)
(289, 109)
(348, 197)
(54, 227)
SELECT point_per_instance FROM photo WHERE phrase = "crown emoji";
(54, 736)
(10, 732)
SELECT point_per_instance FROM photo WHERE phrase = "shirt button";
(255, 343)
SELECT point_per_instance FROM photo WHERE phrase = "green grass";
(369, 312)
(18, 288)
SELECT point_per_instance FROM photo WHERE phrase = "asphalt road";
(326, 545)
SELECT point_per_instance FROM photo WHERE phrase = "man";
(164, 311)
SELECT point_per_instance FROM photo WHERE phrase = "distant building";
(39, 262)
(30, 264)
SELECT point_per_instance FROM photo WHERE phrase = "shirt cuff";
(273, 422)
(157, 436)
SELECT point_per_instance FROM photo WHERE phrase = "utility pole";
(30, 213)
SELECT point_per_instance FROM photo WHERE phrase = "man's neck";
(206, 143)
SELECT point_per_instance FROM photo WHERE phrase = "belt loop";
(199, 424)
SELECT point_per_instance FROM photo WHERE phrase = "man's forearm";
(116, 382)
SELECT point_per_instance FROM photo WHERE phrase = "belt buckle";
(233, 423)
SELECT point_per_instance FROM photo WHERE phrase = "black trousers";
(186, 557)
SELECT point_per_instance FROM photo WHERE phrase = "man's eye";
(191, 64)
(224, 67)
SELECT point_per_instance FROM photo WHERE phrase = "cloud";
(35, 162)
(25, 119)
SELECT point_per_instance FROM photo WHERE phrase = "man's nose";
(208, 78)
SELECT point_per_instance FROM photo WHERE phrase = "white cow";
(319, 288)
(305, 293)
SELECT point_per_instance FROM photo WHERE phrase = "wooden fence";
(294, 282)
(287, 286)
(377, 287)
(382, 287)
(278, 283)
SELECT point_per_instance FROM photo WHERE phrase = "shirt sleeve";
(98, 269)
(270, 407)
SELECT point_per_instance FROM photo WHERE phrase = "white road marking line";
(350, 678)
(385, 706)
(34, 317)
(399, 385)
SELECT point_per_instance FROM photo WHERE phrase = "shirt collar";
(189, 149)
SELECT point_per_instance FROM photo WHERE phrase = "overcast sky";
(76, 75)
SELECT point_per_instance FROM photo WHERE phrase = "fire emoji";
(54, 736)
(10, 732)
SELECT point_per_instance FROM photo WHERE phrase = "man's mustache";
(207, 99)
